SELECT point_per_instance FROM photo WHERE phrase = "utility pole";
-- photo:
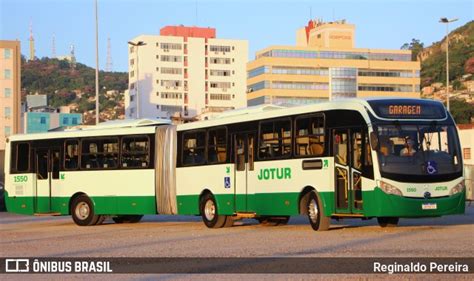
(447, 21)
(96, 65)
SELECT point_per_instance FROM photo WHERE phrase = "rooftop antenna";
(108, 64)
(53, 47)
(73, 57)
(32, 42)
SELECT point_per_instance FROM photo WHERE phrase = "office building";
(325, 65)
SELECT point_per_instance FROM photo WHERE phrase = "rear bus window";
(20, 158)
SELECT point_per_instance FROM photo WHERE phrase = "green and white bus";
(377, 158)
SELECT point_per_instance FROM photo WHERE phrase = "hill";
(75, 86)
(461, 57)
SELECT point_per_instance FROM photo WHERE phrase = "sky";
(382, 24)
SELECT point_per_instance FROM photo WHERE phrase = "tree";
(415, 46)
(461, 111)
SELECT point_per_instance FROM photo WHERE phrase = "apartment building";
(10, 95)
(185, 72)
(325, 65)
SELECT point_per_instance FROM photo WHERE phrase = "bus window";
(340, 147)
(135, 152)
(99, 153)
(193, 148)
(71, 155)
(55, 163)
(217, 146)
(275, 139)
(357, 150)
(309, 136)
(21, 161)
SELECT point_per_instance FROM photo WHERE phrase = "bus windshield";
(406, 150)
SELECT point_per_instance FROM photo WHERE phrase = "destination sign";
(408, 109)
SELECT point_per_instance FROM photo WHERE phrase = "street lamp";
(447, 21)
(96, 65)
(138, 44)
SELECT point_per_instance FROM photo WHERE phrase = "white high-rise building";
(185, 72)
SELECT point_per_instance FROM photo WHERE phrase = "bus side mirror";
(374, 141)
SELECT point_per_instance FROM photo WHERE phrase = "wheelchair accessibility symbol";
(431, 167)
(226, 182)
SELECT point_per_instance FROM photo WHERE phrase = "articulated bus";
(378, 158)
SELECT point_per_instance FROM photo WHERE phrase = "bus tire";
(317, 219)
(387, 221)
(210, 213)
(82, 211)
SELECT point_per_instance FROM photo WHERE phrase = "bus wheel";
(127, 219)
(83, 211)
(387, 221)
(317, 219)
(209, 212)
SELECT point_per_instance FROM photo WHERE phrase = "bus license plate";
(429, 206)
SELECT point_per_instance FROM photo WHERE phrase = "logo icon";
(431, 167)
(17, 265)
(427, 195)
(226, 182)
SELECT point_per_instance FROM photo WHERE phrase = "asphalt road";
(180, 236)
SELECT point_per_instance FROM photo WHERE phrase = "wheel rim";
(313, 210)
(209, 210)
(82, 210)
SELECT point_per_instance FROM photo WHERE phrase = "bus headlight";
(390, 189)
(458, 188)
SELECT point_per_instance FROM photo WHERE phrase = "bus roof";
(361, 105)
(116, 127)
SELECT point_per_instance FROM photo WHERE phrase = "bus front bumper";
(381, 204)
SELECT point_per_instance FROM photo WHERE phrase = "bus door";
(244, 155)
(47, 177)
(347, 149)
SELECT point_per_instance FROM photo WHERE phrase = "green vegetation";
(461, 53)
(64, 84)
(461, 111)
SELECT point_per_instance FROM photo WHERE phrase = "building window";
(20, 160)
(74, 120)
(8, 92)
(7, 130)
(171, 70)
(170, 46)
(466, 153)
(224, 49)
(65, 120)
(42, 120)
(7, 53)
(7, 74)
(8, 113)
